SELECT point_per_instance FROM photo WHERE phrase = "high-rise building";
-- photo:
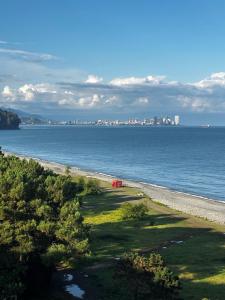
(177, 120)
(155, 121)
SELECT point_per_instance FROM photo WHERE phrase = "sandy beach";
(209, 209)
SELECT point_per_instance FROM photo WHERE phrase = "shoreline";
(199, 206)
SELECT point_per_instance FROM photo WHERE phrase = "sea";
(186, 159)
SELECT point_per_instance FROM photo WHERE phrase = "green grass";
(199, 260)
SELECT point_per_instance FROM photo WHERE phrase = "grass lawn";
(192, 247)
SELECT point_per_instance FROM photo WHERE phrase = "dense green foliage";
(9, 120)
(133, 211)
(93, 187)
(40, 223)
(145, 278)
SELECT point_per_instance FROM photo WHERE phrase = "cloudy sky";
(114, 59)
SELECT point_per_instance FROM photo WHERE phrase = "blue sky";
(64, 58)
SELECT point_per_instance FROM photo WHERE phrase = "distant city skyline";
(88, 59)
(151, 121)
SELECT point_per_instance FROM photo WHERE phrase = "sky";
(110, 59)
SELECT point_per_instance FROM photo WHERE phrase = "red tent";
(117, 183)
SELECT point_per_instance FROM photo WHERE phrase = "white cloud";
(65, 101)
(23, 71)
(143, 100)
(27, 55)
(27, 92)
(30, 91)
(137, 95)
(112, 100)
(93, 79)
(200, 105)
(96, 100)
(8, 93)
(28, 83)
(68, 92)
(87, 102)
(195, 104)
(213, 80)
(154, 80)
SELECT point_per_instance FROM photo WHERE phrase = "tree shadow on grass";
(201, 290)
(197, 254)
(106, 201)
(138, 236)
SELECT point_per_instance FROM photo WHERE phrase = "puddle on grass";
(73, 289)
(177, 242)
(68, 277)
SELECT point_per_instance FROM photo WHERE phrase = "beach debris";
(140, 194)
(117, 258)
(86, 275)
(164, 247)
(177, 242)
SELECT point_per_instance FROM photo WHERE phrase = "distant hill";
(27, 118)
(9, 120)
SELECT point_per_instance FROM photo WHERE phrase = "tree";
(144, 278)
(40, 223)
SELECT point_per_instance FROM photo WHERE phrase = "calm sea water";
(185, 159)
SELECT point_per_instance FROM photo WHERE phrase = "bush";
(92, 187)
(133, 211)
(143, 278)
